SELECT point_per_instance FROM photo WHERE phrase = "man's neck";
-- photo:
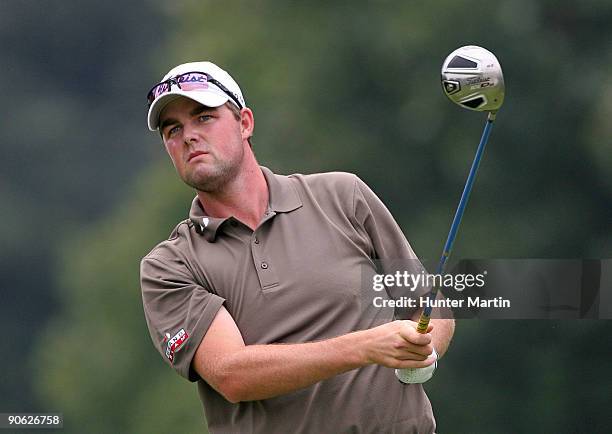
(245, 198)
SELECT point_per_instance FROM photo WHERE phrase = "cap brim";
(207, 97)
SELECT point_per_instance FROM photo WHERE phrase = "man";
(257, 296)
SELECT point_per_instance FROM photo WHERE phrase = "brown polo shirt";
(296, 278)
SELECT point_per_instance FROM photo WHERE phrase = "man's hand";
(398, 345)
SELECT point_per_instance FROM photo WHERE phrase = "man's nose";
(189, 134)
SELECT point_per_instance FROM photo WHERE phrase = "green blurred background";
(86, 190)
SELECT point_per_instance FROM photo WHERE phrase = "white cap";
(210, 96)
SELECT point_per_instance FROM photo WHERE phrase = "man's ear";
(247, 123)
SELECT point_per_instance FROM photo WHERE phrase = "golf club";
(472, 78)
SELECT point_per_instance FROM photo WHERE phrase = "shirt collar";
(203, 224)
(283, 197)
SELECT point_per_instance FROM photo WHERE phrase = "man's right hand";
(398, 345)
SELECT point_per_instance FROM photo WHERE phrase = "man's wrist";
(362, 347)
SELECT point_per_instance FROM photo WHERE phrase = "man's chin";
(206, 184)
(211, 178)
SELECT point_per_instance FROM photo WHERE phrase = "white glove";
(417, 375)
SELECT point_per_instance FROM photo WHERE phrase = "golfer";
(257, 296)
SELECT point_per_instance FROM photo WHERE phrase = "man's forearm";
(254, 372)
(442, 334)
(264, 371)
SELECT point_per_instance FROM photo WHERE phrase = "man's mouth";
(195, 154)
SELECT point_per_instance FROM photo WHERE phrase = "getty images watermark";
(492, 289)
(412, 282)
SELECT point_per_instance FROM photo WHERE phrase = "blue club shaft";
(452, 234)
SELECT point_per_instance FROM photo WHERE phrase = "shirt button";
(256, 240)
(264, 265)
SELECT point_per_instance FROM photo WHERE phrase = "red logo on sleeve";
(175, 343)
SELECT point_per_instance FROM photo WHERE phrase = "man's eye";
(172, 131)
(204, 118)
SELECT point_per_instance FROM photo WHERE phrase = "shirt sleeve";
(391, 249)
(178, 311)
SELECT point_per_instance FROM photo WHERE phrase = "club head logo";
(451, 86)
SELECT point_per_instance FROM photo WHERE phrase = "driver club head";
(472, 78)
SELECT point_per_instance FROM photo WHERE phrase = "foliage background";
(86, 190)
